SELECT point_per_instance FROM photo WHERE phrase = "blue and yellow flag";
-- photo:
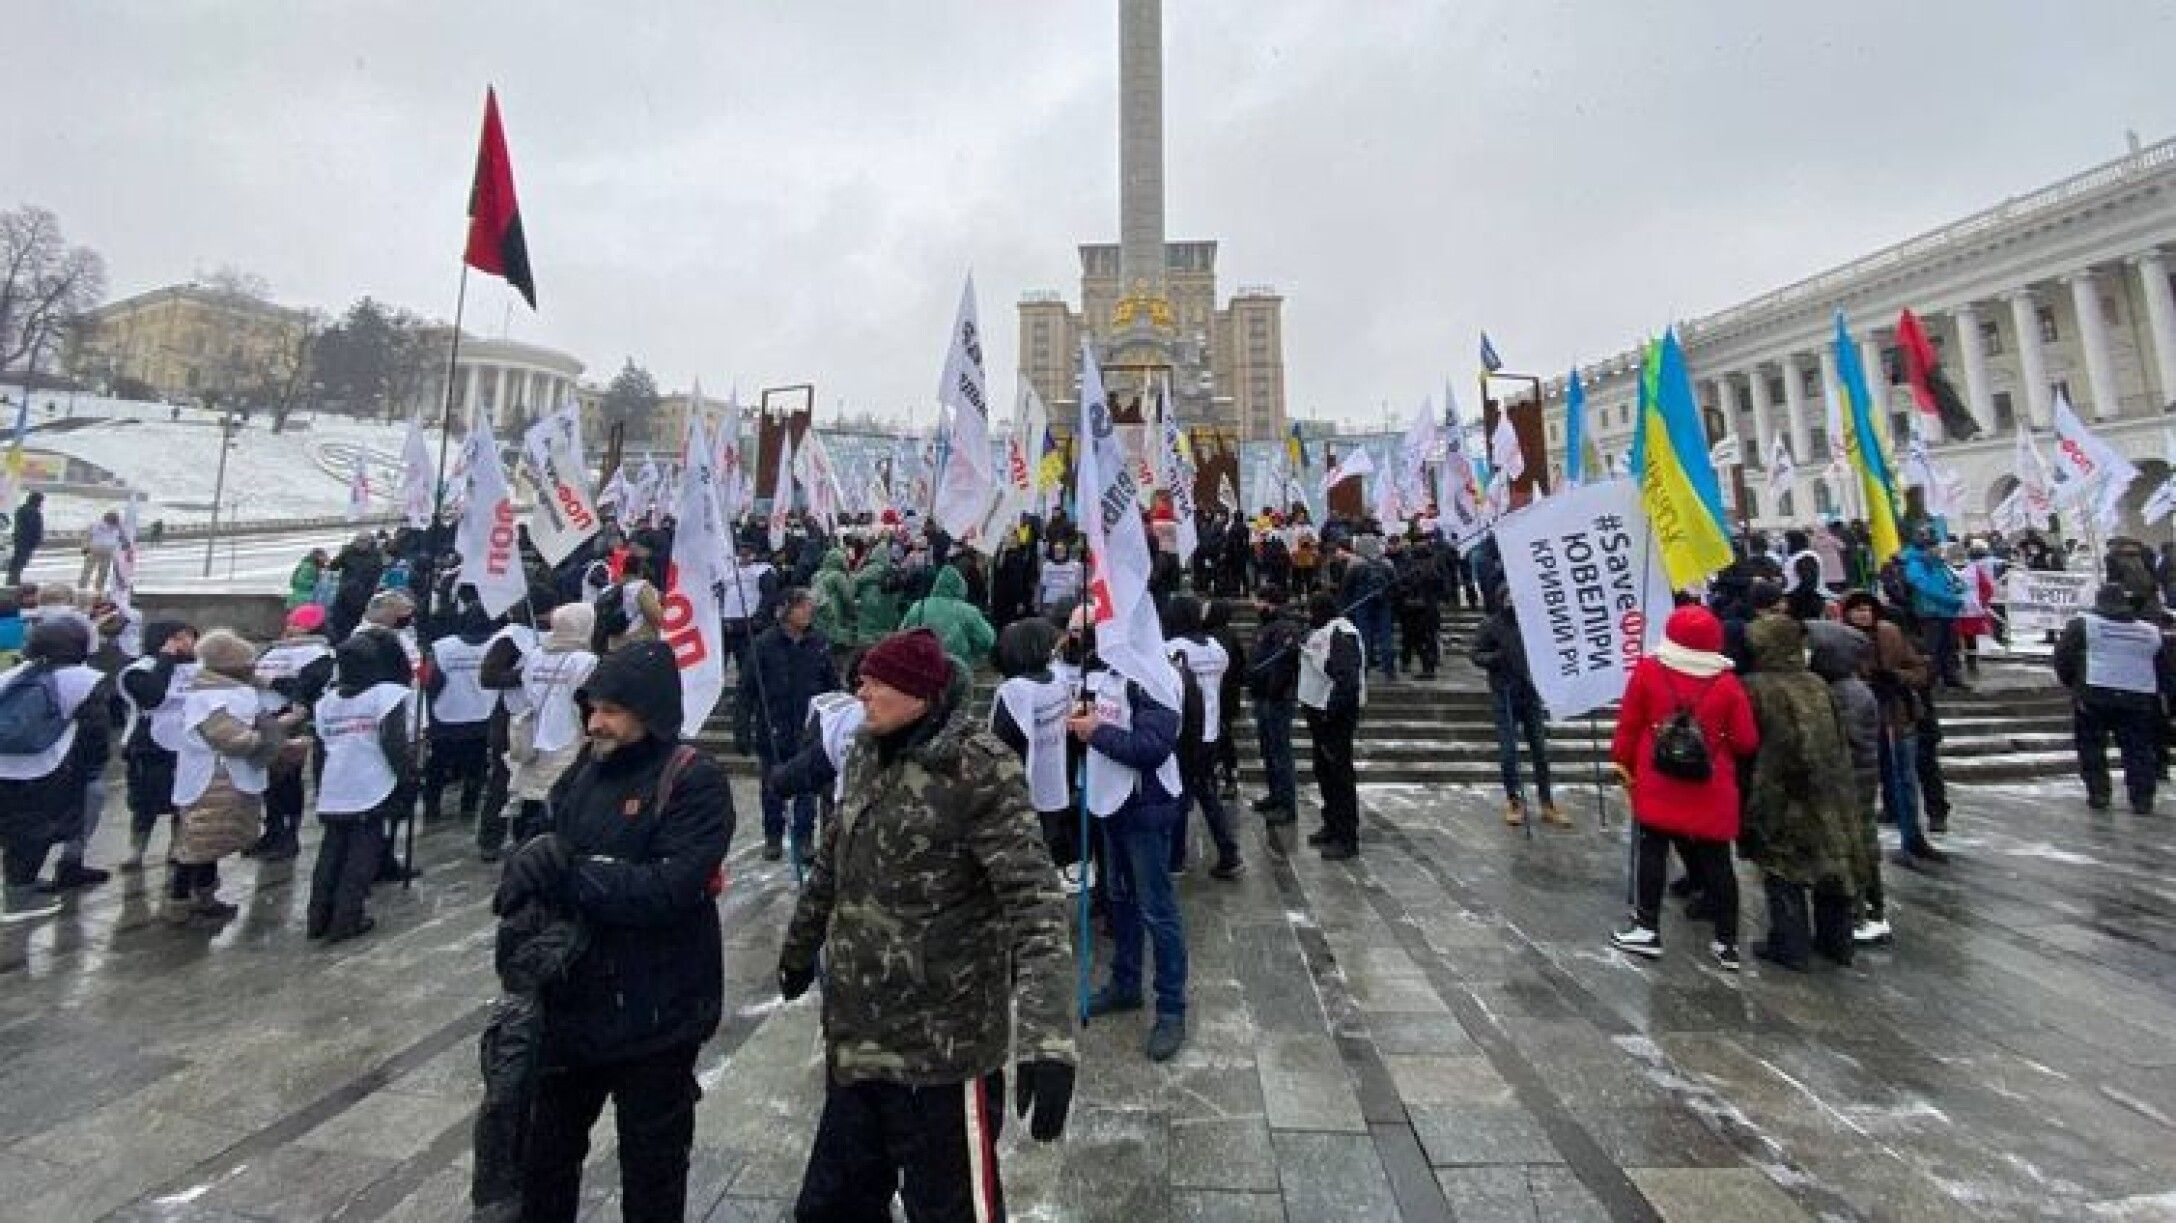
(1862, 446)
(1575, 429)
(1295, 451)
(1050, 465)
(1678, 489)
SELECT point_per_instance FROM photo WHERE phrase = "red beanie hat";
(913, 662)
(1695, 628)
(307, 618)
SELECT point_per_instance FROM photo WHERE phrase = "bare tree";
(291, 371)
(44, 283)
(236, 282)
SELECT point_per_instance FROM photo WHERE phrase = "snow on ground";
(302, 472)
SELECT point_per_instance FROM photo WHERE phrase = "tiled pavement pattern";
(1433, 1032)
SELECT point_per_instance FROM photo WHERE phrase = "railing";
(266, 526)
(2129, 166)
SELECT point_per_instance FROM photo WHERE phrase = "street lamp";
(219, 485)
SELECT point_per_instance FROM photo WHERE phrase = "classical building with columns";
(512, 382)
(2063, 290)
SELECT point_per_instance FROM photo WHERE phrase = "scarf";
(1686, 661)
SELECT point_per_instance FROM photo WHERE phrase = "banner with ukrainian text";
(1590, 589)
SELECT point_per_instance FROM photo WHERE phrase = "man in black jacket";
(640, 825)
(1273, 681)
(1499, 650)
(29, 531)
(1417, 597)
(788, 666)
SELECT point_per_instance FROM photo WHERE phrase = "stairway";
(2015, 726)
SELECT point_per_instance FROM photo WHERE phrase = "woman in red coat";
(1699, 815)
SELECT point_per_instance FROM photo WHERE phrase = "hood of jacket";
(2113, 602)
(1776, 643)
(158, 632)
(644, 679)
(1835, 650)
(834, 562)
(361, 665)
(949, 584)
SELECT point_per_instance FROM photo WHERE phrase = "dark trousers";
(1227, 750)
(1061, 834)
(283, 803)
(1273, 727)
(653, 1101)
(1938, 641)
(491, 817)
(774, 813)
(1514, 719)
(186, 879)
(1334, 774)
(2135, 733)
(18, 560)
(1419, 632)
(1372, 618)
(23, 848)
(1927, 765)
(150, 777)
(454, 760)
(1708, 862)
(935, 1147)
(1197, 772)
(347, 864)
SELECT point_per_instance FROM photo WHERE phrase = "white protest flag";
(2033, 478)
(359, 490)
(1129, 637)
(2163, 500)
(819, 481)
(1357, 462)
(2010, 514)
(781, 490)
(1178, 481)
(693, 626)
(614, 491)
(1421, 445)
(1016, 492)
(2085, 463)
(562, 517)
(963, 497)
(731, 464)
(568, 419)
(1390, 508)
(1917, 471)
(642, 492)
(1781, 470)
(1505, 454)
(1724, 453)
(418, 477)
(1590, 592)
(1458, 501)
(486, 540)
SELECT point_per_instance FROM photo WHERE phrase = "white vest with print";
(1315, 682)
(74, 684)
(549, 681)
(2119, 655)
(357, 775)
(197, 763)
(463, 699)
(1208, 661)
(1110, 783)
(1039, 709)
(166, 715)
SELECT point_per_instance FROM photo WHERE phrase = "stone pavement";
(1436, 1031)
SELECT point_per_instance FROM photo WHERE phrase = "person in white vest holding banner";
(366, 780)
(2117, 668)
(1333, 687)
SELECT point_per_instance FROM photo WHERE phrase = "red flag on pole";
(495, 244)
(1931, 389)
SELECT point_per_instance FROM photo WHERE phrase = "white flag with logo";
(1178, 481)
(693, 625)
(1129, 637)
(732, 470)
(489, 546)
(1357, 462)
(561, 517)
(2084, 462)
(359, 490)
(418, 477)
(963, 495)
(819, 480)
(1505, 454)
(1781, 470)
(782, 490)
(642, 492)
(1591, 599)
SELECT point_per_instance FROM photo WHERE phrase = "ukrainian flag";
(1678, 489)
(1295, 451)
(1862, 446)
(1050, 465)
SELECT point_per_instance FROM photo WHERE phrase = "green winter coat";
(834, 593)
(1801, 822)
(876, 605)
(964, 630)
(302, 584)
(936, 908)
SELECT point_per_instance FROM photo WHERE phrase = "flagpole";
(430, 588)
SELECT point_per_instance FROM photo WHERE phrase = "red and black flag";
(495, 244)
(1930, 388)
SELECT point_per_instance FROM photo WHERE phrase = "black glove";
(794, 980)
(535, 870)
(1047, 1086)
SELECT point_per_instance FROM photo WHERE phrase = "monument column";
(2160, 317)
(1140, 146)
(2032, 365)
(2100, 374)
(1764, 421)
(1974, 347)
(1794, 406)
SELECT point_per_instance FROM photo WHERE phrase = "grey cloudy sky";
(766, 193)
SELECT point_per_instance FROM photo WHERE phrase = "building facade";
(510, 382)
(187, 343)
(2065, 290)
(1149, 306)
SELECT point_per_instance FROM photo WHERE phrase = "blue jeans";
(1372, 618)
(774, 815)
(1900, 783)
(1273, 726)
(1143, 904)
(1511, 719)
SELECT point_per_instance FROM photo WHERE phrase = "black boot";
(1787, 938)
(1832, 922)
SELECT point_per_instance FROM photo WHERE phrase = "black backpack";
(30, 713)
(612, 619)
(1681, 748)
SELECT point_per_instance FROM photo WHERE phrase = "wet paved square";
(1436, 1031)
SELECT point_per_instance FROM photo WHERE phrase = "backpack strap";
(683, 757)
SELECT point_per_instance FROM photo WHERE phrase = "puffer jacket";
(834, 592)
(961, 628)
(876, 599)
(225, 820)
(1798, 825)
(1840, 655)
(932, 893)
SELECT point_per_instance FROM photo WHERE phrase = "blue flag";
(1489, 360)
(1575, 430)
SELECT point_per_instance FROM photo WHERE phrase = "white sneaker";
(1069, 879)
(1871, 931)
(43, 906)
(1638, 940)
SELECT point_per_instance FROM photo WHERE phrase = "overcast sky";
(765, 193)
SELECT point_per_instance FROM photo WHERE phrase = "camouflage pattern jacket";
(931, 891)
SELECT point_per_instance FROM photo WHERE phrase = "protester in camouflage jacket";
(932, 893)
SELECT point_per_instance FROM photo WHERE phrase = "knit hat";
(1695, 628)
(225, 652)
(912, 662)
(307, 618)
